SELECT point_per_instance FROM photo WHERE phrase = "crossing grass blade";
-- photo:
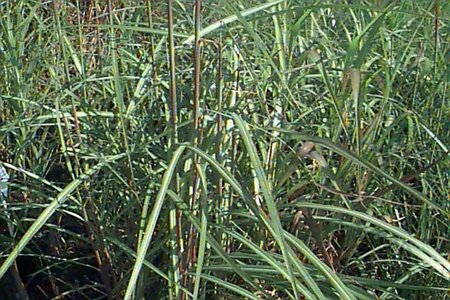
(56, 203)
(237, 269)
(418, 248)
(359, 161)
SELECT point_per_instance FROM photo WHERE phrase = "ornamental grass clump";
(224, 149)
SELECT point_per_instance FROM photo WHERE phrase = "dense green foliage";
(250, 150)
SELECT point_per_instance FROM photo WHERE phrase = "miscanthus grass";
(224, 149)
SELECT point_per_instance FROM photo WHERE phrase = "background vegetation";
(248, 150)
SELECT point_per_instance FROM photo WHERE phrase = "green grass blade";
(203, 231)
(231, 19)
(151, 223)
(274, 222)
